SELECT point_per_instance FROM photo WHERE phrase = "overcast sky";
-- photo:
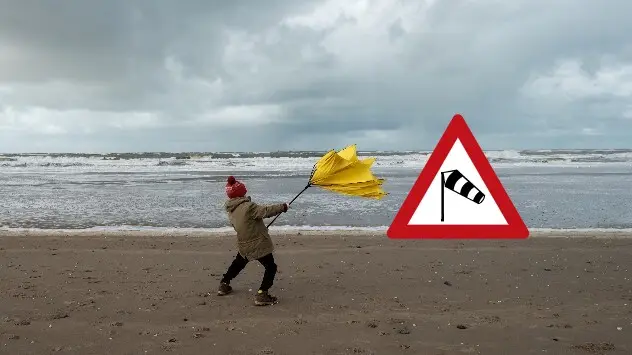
(209, 75)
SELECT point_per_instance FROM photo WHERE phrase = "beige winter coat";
(253, 240)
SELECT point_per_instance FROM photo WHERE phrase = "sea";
(552, 189)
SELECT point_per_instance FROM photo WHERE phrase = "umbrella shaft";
(295, 197)
(299, 194)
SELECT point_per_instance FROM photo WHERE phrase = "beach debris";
(461, 326)
(13, 337)
(58, 315)
(447, 283)
(595, 347)
(567, 326)
(490, 319)
(403, 330)
(116, 324)
(372, 324)
(299, 319)
(619, 328)
(198, 335)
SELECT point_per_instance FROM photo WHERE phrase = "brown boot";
(224, 289)
(263, 298)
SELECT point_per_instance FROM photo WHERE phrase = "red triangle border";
(515, 227)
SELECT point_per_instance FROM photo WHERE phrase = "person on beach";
(253, 239)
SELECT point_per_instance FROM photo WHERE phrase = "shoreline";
(290, 231)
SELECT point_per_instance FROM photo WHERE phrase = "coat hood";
(231, 204)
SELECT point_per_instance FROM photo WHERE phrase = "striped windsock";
(458, 183)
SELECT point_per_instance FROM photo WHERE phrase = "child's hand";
(286, 207)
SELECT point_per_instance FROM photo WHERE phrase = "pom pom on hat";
(231, 180)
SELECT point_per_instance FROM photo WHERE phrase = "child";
(253, 240)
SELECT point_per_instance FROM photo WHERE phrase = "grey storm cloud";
(87, 75)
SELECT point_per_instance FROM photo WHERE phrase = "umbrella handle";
(295, 197)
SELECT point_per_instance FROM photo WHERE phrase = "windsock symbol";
(458, 183)
(455, 181)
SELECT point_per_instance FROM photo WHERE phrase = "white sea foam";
(301, 162)
(82, 190)
(306, 229)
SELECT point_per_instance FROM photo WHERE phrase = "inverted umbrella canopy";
(344, 173)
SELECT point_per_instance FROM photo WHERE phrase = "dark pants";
(239, 263)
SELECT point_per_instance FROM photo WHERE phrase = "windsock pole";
(442, 196)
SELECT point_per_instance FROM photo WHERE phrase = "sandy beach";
(339, 293)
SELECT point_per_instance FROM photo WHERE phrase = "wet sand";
(339, 293)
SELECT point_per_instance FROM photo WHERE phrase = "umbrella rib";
(351, 183)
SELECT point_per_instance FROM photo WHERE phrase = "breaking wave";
(286, 161)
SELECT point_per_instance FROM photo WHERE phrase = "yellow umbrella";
(344, 173)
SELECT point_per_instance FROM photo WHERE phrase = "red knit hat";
(235, 188)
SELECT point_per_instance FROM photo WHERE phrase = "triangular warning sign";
(458, 195)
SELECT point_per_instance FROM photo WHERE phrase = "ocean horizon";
(551, 188)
